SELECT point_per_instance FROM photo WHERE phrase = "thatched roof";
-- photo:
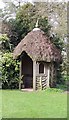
(38, 46)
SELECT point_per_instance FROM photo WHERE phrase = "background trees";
(9, 68)
(19, 19)
(10, 72)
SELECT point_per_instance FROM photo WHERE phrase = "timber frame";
(39, 58)
(39, 80)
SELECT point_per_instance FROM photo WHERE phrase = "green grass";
(0, 104)
(50, 103)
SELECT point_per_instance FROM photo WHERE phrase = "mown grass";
(50, 103)
(0, 104)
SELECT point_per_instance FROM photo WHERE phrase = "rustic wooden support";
(48, 76)
(53, 76)
(51, 81)
(20, 75)
(34, 75)
(41, 82)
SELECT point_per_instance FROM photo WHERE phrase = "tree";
(56, 13)
(9, 68)
(5, 45)
(24, 22)
(57, 16)
(9, 11)
(10, 71)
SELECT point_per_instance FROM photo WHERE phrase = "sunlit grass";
(50, 103)
(0, 104)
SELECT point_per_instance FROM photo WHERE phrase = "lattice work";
(41, 82)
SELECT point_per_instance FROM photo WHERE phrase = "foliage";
(57, 41)
(9, 68)
(60, 79)
(24, 22)
(8, 11)
(5, 45)
(26, 17)
(44, 25)
(10, 71)
(61, 68)
(57, 15)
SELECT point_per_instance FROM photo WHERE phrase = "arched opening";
(27, 71)
(41, 68)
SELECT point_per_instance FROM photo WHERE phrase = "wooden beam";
(41, 82)
(48, 76)
(20, 75)
(34, 75)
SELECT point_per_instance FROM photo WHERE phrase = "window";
(41, 68)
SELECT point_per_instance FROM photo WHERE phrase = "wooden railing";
(41, 82)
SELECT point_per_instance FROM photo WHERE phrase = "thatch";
(38, 46)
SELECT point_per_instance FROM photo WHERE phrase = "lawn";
(41, 104)
(0, 104)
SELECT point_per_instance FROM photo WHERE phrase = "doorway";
(27, 71)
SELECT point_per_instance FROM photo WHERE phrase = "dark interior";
(27, 71)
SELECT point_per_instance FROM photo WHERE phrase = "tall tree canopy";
(25, 21)
(48, 16)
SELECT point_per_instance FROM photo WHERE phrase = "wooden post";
(41, 82)
(48, 76)
(34, 75)
(52, 76)
(20, 75)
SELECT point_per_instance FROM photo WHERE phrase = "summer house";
(39, 58)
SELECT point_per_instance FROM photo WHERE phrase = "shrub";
(10, 71)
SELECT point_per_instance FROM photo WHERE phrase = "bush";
(10, 71)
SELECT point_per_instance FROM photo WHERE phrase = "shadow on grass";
(59, 88)
(62, 87)
(34, 118)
